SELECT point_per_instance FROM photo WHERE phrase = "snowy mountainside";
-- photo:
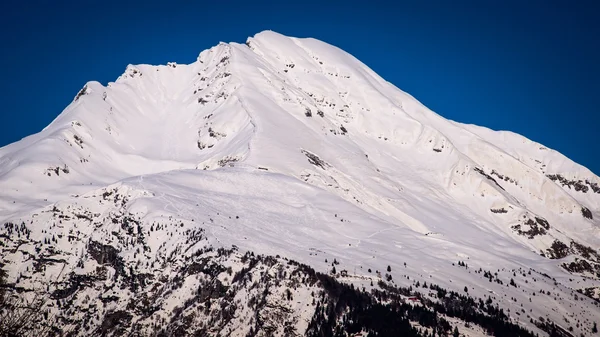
(288, 147)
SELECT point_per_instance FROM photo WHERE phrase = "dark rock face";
(81, 92)
(106, 254)
(115, 323)
(504, 177)
(558, 250)
(542, 222)
(75, 283)
(498, 210)
(579, 266)
(315, 160)
(587, 259)
(480, 171)
(591, 292)
(578, 185)
(585, 251)
(587, 213)
(532, 228)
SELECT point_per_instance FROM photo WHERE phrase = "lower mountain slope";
(174, 252)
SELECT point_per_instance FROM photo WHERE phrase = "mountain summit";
(226, 196)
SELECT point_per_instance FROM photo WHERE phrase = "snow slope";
(293, 147)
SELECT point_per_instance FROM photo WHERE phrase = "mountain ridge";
(351, 151)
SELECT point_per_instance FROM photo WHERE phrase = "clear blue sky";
(531, 67)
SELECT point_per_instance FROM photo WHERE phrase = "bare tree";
(20, 316)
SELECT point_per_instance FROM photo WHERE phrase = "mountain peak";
(269, 35)
(293, 147)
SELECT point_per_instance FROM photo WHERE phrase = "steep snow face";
(372, 134)
(315, 152)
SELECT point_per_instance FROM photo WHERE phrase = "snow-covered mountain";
(144, 193)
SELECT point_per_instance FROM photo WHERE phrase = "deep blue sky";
(531, 67)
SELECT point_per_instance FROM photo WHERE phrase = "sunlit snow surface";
(293, 147)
